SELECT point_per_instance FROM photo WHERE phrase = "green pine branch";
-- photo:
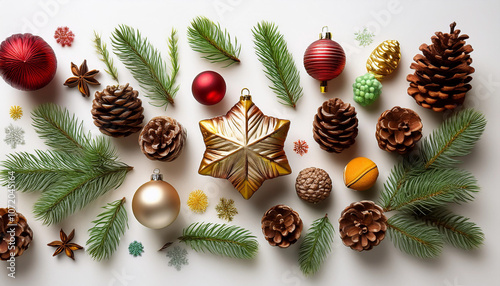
(455, 229)
(434, 188)
(173, 52)
(145, 63)
(279, 66)
(109, 226)
(102, 50)
(316, 246)
(221, 239)
(414, 237)
(207, 37)
(75, 173)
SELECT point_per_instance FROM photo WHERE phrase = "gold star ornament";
(245, 147)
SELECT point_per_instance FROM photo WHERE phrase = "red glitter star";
(300, 147)
(64, 36)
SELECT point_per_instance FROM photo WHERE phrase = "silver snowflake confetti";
(14, 136)
(178, 257)
(364, 37)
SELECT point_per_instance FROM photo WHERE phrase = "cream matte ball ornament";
(156, 204)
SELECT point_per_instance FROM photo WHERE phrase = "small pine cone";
(313, 185)
(117, 111)
(16, 225)
(398, 130)
(362, 225)
(281, 226)
(162, 139)
(442, 73)
(335, 126)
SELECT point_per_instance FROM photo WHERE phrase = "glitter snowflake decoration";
(135, 248)
(14, 136)
(178, 257)
(300, 147)
(16, 112)
(64, 36)
(197, 201)
(364, 37)
(226, 209)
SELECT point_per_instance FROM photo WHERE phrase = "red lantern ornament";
(208, 87)
(324, 59)
(27, 62)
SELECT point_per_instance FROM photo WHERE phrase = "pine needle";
(145, 63)
(316, 246)
(220, 239)
(454, 138)
(102, 50)
(456, 230)
(207, 37)
(173, 52)
(414, 237)
(279, 66)
(435, 188)
(109, 226)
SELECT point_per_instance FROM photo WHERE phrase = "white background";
(410, 22)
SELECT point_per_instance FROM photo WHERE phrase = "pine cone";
(362, 225)
(162, 139)
(281, 226)
(313, 185)
(17, 225)
(117, 111)
(441, 77)
(398, 130)
(335, 125)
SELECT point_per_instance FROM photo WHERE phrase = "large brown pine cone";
(441, 77)
(22, 234)
(117, 111)
(362, 225)
(335, 126)
(281, 226)
(162, 139)
(398, 130)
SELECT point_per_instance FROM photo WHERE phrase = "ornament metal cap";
(328, 35)
(156, 176)
(247, 96)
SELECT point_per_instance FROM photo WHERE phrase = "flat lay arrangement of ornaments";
(256, 143)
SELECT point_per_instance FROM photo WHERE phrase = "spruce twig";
(109, 226)
(316, 246)
(145, 63)
(279, 66)
(207, 37)
(102, 50)
(221, 239)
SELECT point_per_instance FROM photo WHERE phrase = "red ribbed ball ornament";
(208, 88)
(324, 60)
(27, 62)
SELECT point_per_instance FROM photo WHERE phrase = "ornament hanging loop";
(245, 94)
(156, 176)
(325, 33)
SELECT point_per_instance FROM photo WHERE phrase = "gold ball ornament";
(360, 174)
(156, 204)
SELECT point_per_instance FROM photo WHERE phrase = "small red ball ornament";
(208, 87)
(27, 62)
(324, 59)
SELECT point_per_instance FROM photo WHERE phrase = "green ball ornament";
(366, 89)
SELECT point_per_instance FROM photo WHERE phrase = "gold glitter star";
(16, 112)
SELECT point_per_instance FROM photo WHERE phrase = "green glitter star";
(178, 257)
(364, 37)
(226, 209)
(135, 248)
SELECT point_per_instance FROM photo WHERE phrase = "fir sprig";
(146, 64)
(456, 230)
(102, 50)
(208, 38)
(75, 173)
(316, 246)
(221, 239)
(414, 237)
(109, 226)
(279, 66)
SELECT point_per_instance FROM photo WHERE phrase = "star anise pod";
(83, 77)
(65, 244)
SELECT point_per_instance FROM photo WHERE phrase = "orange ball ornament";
(360, 174)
